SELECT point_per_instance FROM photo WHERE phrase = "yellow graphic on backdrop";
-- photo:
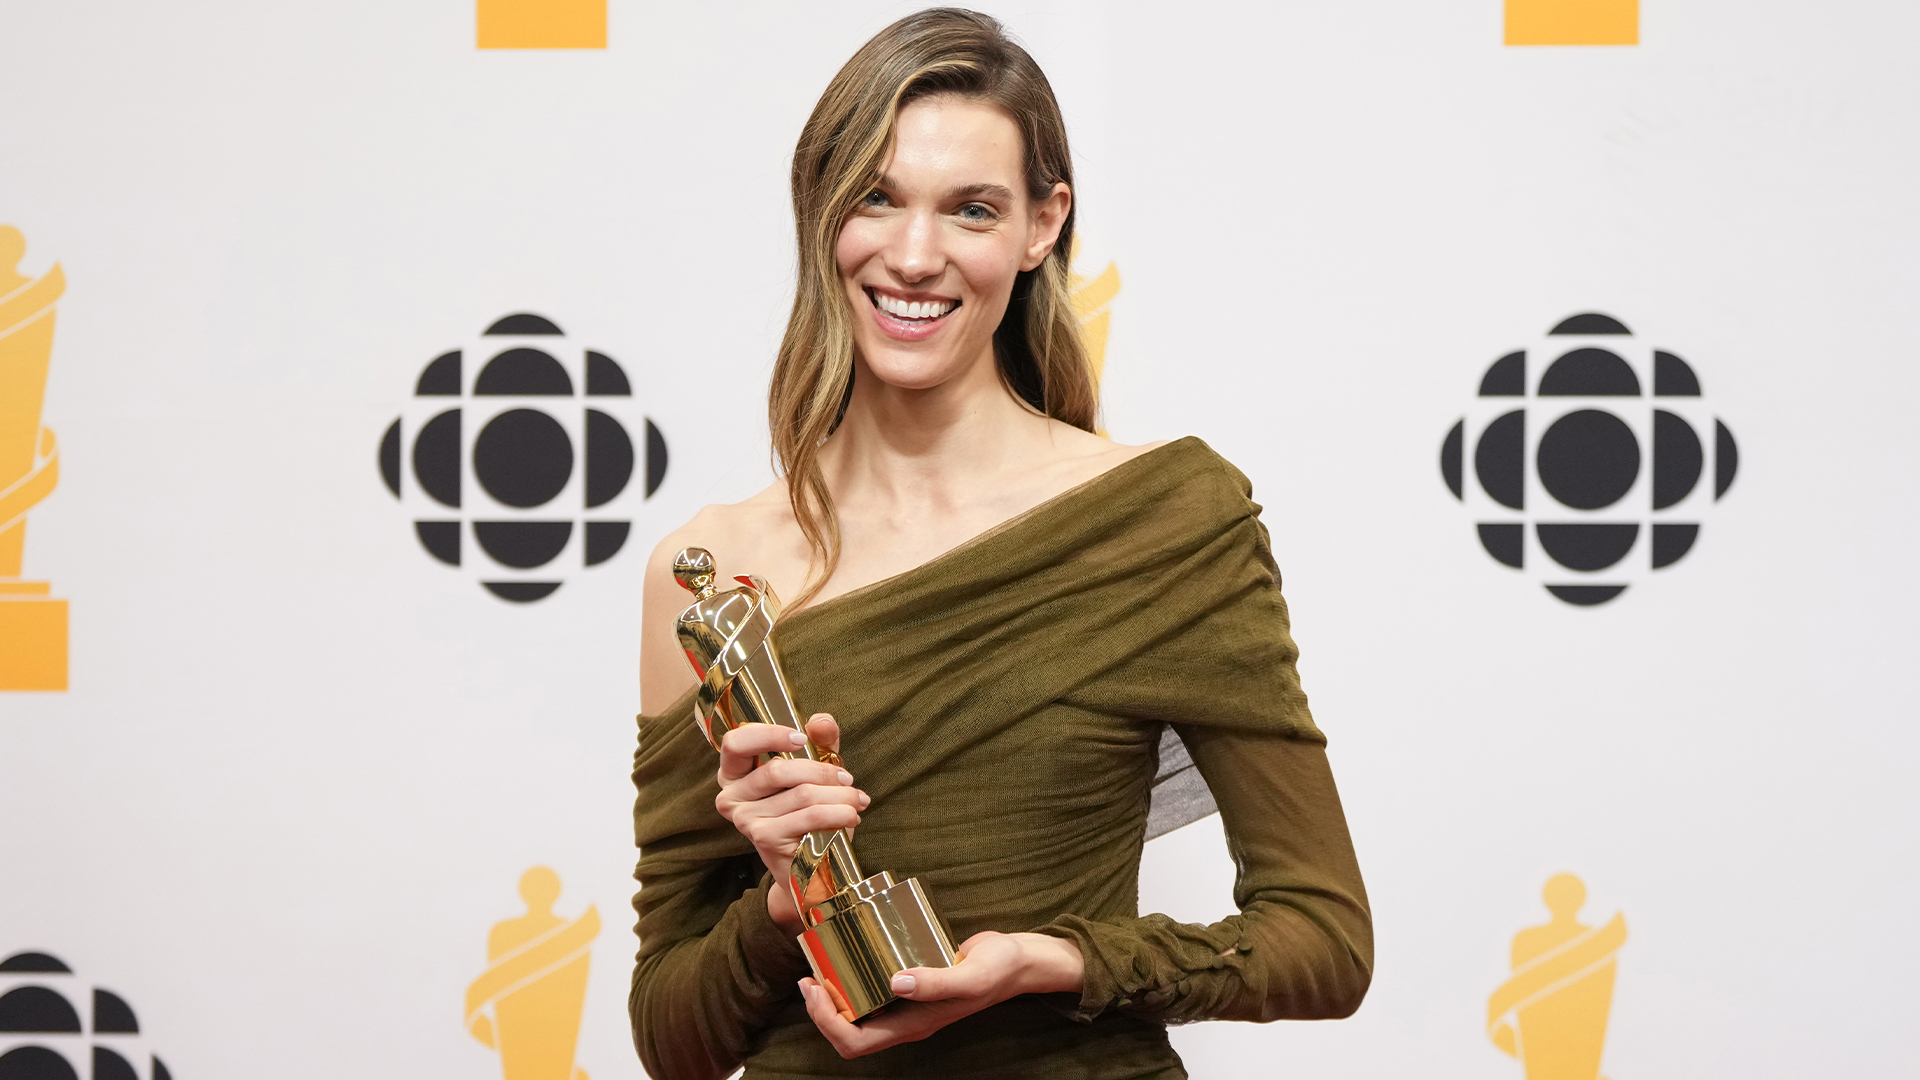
(542, 24)
(1552, 1013)
(33, 625)
(535, 985)
(1573, 22)
(1091, 297)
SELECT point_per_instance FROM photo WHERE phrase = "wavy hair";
(1038, 346)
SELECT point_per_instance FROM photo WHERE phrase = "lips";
(910, 320)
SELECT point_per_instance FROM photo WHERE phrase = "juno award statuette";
(859, 930)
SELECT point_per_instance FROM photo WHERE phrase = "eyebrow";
(992, 191)
(965, 191)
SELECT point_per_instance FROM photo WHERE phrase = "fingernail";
(845, 776)
(865, 799)
(903, 983)
(797, 738)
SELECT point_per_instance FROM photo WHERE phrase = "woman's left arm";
(1301, 947)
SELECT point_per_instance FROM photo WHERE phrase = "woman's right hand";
(775, 804)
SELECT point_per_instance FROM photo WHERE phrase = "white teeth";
(917, 309)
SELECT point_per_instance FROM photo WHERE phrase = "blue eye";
(874, 198)
(976, 212)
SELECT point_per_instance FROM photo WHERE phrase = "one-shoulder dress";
(1005, 706)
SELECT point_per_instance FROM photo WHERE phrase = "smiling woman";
(1010, 618)
(937, 157)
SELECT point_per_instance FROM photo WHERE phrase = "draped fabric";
(1005, 706)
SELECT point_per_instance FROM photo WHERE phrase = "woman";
(1001, 612)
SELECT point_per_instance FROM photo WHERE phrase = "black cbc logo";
(1589, 501)
(523, 454)
(54, 1027)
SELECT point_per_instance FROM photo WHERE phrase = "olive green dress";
(1004, 705)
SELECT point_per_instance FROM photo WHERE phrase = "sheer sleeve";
(1301, 947)
(713, 969)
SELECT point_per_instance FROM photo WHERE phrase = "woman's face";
(929, 258)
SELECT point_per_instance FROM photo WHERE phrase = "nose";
(914, 252)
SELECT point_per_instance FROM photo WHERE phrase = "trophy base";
(881, 927)
(33, 638)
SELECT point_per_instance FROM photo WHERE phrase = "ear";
(1049, 216)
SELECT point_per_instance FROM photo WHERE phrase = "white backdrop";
(301, 765)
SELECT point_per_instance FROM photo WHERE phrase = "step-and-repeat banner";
(353, 356)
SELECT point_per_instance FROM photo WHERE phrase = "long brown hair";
(841, 151)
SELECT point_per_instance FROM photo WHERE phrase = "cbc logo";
(54, 1028)
(1600, 521)
(539, 463)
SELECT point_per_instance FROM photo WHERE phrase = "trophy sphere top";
(693, 569)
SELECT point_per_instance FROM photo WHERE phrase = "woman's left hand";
(993, 967)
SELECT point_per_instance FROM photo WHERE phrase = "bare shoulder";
(1086, 455)
(1120, 454)
(728, 530)
(741, 535)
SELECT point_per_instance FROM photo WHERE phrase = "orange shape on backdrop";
(1573, 22)
(33, 626)
(33, 642)
(528, 1003)
(1552, 1012)
(1091, 297)
(542, 24)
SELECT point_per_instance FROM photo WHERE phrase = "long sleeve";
(1301, 947)
(1003, 704)
(713, 968)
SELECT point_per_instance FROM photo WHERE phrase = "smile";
(909, 319)
(911, 311)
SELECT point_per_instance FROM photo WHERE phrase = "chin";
(910, 372)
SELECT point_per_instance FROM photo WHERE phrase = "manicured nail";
(903, 983)
(845, 776)
(797, 738)
(865, 799)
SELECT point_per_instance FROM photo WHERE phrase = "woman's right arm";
(713, 968)
(717, 952)
(715, 963)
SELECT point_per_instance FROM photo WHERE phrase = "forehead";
(950, 141)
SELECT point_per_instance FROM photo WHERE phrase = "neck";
(933, 446)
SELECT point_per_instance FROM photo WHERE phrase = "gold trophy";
(33, 625)
(860, 930)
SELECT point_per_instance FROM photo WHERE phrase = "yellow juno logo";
(541, 24)
(1092, 298)
(527, 1004)
(33, 625)
(1552, 1012)
(1573, 22)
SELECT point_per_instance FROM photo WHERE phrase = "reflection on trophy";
(860, 930)
(33, 627)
